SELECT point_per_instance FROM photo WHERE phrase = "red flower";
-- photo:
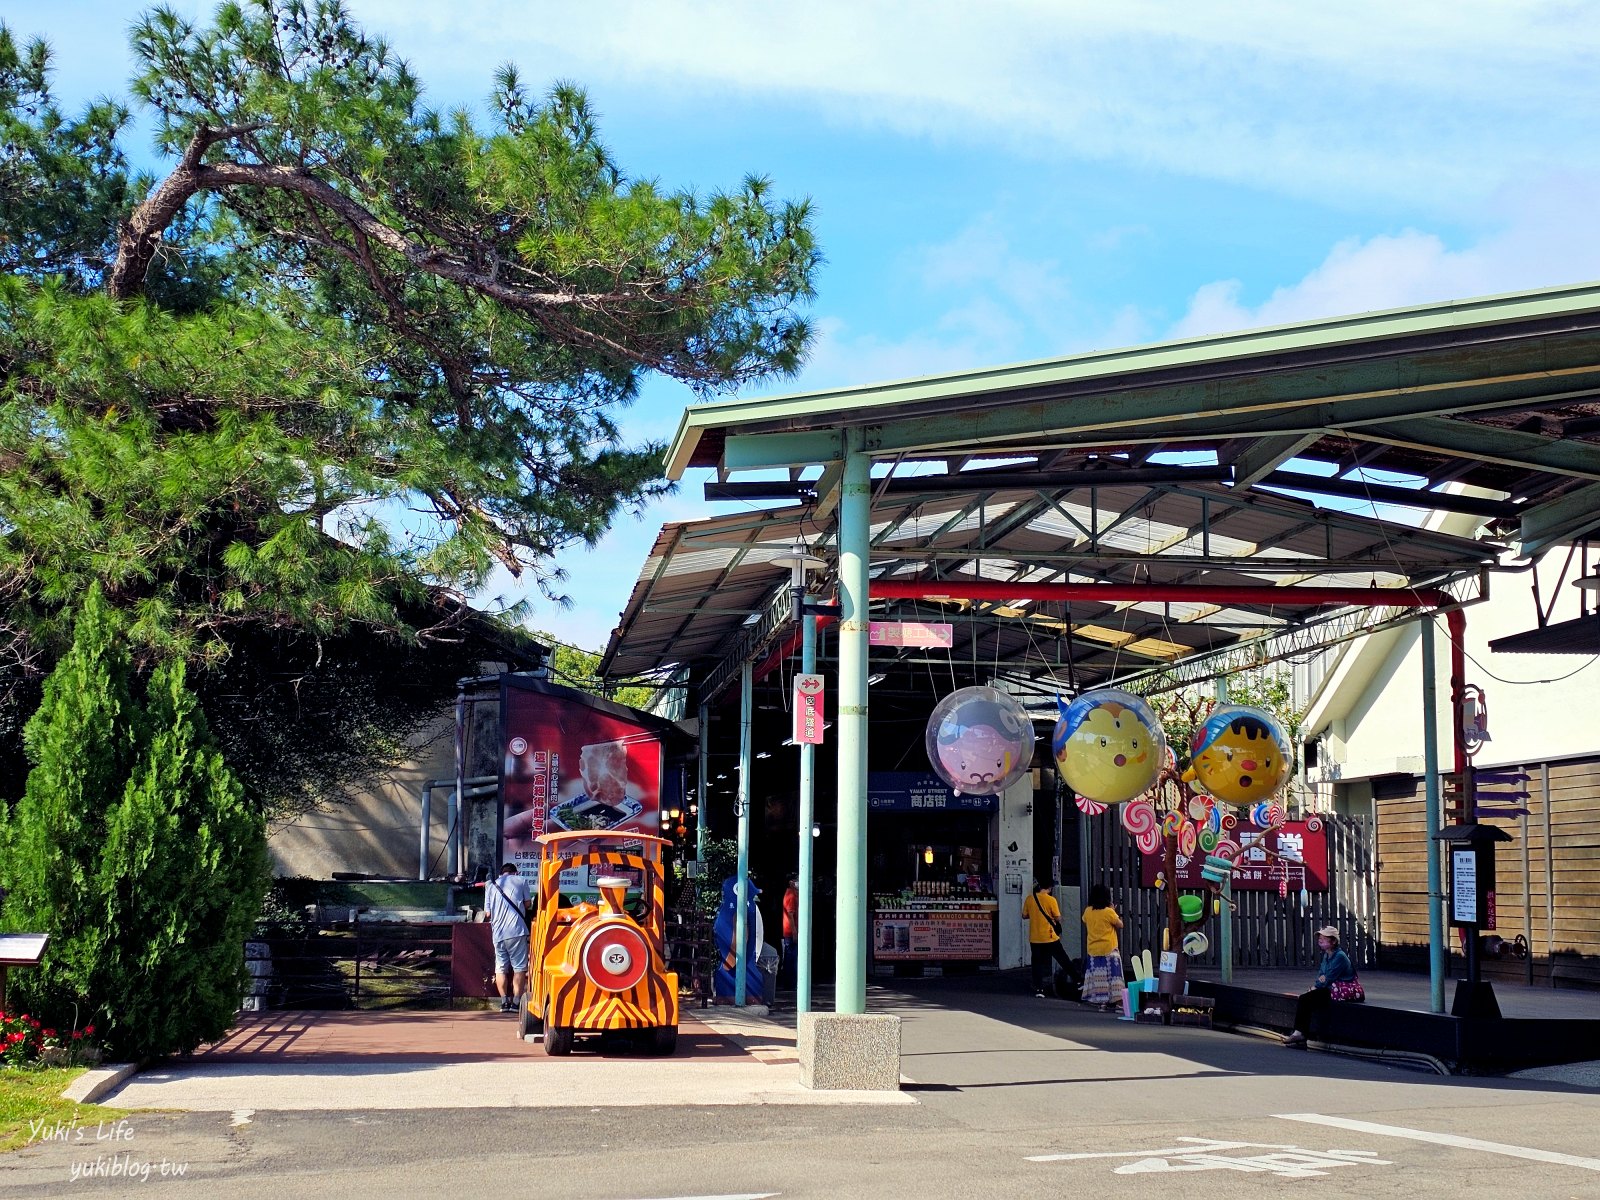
(76, 1034)
(49, 1033)
(88, 1030)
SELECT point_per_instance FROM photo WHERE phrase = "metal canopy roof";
(710, 584)
(1166, 463)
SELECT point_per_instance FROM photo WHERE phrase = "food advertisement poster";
(572, 763)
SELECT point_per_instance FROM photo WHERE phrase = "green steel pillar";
(1225, 925)
(704, 814)
(741, 894)
(808, 817)
(1430, 773)
(855, 548)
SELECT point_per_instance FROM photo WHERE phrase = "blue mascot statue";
(722, 982)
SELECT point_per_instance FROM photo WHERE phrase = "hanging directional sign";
(808, 710)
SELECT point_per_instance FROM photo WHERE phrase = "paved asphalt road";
(1018, 1098)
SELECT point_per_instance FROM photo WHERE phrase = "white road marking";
(1206, 1154)
(1445, 1139)
(241, 1116)
(739, 1196)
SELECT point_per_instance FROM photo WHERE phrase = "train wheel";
(528, 1025)
(664, 1040)
(557, 1041)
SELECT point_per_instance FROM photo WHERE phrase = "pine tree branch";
(140, 238)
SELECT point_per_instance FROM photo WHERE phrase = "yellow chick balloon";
(1240, 755)
(1109, 745)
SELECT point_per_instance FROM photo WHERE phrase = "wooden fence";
(1268, 930)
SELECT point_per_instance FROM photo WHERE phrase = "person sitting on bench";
(1334, 969)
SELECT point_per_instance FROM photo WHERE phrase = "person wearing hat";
(1334, 968)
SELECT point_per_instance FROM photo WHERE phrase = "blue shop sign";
(920, 791)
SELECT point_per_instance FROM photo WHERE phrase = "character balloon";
(1109, 746)
(1240, 755)
(980, 741)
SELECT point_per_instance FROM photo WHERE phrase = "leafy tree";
(579, 668)
(344, 354)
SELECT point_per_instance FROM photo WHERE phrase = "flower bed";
(26, 1041)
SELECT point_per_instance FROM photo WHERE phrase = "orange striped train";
(598, 968)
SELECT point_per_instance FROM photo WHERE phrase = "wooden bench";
(1574, 969)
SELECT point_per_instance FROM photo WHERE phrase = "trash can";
(768, 961)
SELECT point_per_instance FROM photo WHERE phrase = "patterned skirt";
(1102, 979)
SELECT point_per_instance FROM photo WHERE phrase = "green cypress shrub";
(134, 849)
(181, 879)
(82, 742)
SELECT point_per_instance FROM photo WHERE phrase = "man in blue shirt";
(506, 901)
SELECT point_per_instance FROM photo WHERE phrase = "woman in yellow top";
(1043, 916)
(1102, 972)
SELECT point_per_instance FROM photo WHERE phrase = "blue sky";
(1024, 179)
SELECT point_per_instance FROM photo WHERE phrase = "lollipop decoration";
(1139, 819)
(1090, 808)
(979, 740)
(1109, 745)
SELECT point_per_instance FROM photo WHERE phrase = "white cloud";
(988, 304)
(1431, 101)
(1549, 237)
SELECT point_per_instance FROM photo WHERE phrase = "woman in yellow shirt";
(1043, 916)
(1102, 973)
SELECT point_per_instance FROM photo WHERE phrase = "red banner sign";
(808, 710)
(569, 765)
(1295, 854)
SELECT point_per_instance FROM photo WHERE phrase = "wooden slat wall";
(1269, 931)
(1574, 860)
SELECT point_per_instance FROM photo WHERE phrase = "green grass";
(30, 1100)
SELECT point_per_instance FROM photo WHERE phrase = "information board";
(955, 936)
(1464, 887)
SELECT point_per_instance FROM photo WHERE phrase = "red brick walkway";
(331, 1037)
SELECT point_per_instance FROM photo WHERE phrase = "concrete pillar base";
(849, 1052)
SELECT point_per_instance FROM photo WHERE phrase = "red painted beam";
(1196, 593)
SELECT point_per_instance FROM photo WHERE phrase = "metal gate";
(1268, 930)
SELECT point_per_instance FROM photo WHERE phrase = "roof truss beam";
(1556, 521)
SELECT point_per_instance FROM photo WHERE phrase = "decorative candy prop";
(1195, 943)
(1139, 819)
(1268, 816)
(979, 741)
(1188, 837)
(1191, 908)
(1171, 824)
(1109, 745)
(1207, 841)
(1240, 755)
(1090, 808)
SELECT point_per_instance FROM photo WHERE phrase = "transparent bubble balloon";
(1240, 755)
(1109, 745)
(980, 741)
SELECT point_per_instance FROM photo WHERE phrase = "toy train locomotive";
(601, 967)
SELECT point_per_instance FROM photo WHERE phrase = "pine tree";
(343, 355)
